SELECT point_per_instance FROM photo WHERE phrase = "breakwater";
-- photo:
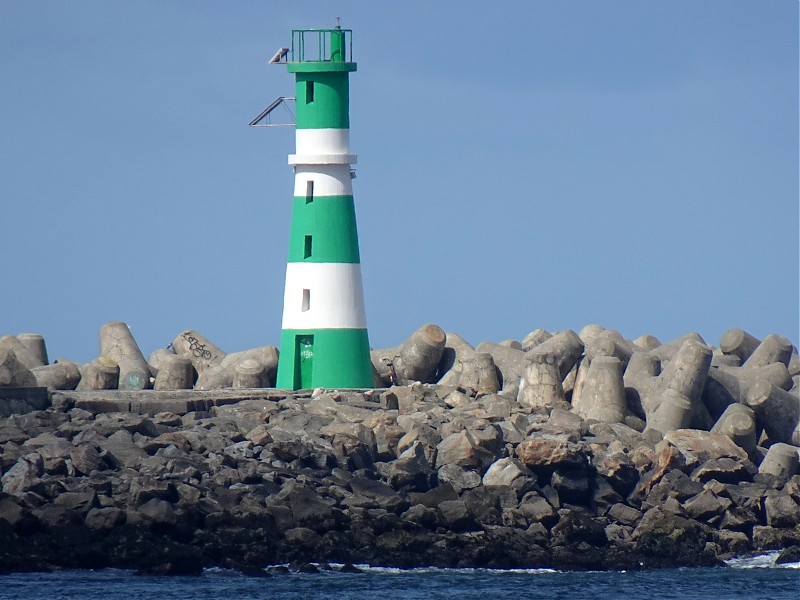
(566, 450)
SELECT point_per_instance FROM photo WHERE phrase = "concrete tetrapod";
(116, 342)
(665, 352)
(565, 346)
(198, 349)
(540, 386)
(479, 373)
(250, 373)
(782, 460)
(419, 356)
(739, 343)
(777, 410)
(605, 343)
(456, 350)
(534, 338)
(174, 373)
(61, 375)
(641, 381)
(34, 342)
(686, 373)
(222, 375)
(738, 422)
(674, 412)
(603, 393)
(100, 374)
(647, 342)
(12, 372)
(510, 362)
(156, 357)
(773, 348)
(24, 356)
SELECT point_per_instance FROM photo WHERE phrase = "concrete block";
(100, 374)
(665, 352)
(674, 411)
(565, 346)
(603, 394)
(647, 342)
(197, 348)
(739, 343)
(540, 385)
(24, 356)
(456, 351)
(34, 342)
(478, 372)
(777, 410)
(61, 375)
(781, 460)
(174, 373)
(12, 372)
(420, 354)
(250, 373)
(534, 338)
(117, 343)
(773, 348)
(738, 422)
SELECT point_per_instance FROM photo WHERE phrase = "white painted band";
(335, 297)
(323, 159)
(329, 180)
(322, 141)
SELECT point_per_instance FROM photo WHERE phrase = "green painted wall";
(330, 107)
(331, 223)
(340, 359)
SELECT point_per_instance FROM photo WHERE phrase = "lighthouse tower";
(324, 341)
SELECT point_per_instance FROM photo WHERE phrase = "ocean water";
(750, 579)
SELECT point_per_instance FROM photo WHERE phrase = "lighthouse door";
(304, 359)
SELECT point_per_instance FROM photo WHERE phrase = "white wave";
(761, 561)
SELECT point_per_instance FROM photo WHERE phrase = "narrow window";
(309, 92)
(307, 247)
(306, 300)
(309, 191)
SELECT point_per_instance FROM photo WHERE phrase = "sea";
(751, 579)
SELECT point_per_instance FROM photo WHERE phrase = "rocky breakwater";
(565, 450)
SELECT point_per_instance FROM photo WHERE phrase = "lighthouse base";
(327, 358)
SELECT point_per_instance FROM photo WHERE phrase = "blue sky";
(521, 165)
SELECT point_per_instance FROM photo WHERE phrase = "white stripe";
(329, 180)
(323, 159)
(336, 296)
(322, 147)
(322, 141)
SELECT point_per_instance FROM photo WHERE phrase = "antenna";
(337, 23)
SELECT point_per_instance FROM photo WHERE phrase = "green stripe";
(315, 66)
(330, 106)
(340, 360)
(324, 230)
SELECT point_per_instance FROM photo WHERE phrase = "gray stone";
(602, 395)
(12, 372)
(738, 422)
(198, 349)
(777, 410)
(250, 374)
(23, 355)
(504, 471)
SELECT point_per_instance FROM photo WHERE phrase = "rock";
(537, 510)
(454, 515)
(463, 449)
(503, 472)
(698, 447)
(782, 511)
(13, 373)
(24, 475)
(459, 478)
(550, 452)
(664, 538)
(706, 505)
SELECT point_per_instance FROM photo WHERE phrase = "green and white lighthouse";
(324, 341)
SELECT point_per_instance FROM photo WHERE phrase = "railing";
(332, 45)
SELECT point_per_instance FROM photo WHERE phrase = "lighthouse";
(324, 341)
